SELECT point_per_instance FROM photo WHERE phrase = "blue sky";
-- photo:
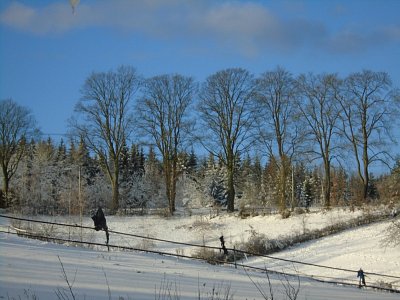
(47, 52)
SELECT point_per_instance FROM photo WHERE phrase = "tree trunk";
(170, 185)
(171, 190)
(282, 194)
(327, 185)
(173, 187)
(115, 191)
(283, 168)
(366, 175)
(365, 160)
(4, 195)
(6, 188)
(231, 188)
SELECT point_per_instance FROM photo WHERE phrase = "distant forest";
(274, 142)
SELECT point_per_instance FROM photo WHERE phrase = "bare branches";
(17, 125)
(276, 98)
(369, 105)
(106, 118)
(260, 288)
(291, 290)
(163, 115)
(228, 114)
(320, 112)
(62, 294)
(276, 95)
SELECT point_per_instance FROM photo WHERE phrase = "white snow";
(352, 249)
(33, 267)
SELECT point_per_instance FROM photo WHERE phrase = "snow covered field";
(33, 266)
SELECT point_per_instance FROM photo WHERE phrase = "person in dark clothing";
(361, 275)
(223, 245)
(100, 222)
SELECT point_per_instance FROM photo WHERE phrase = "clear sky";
(47, 51)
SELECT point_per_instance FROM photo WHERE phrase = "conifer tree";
(192, 162)
(269, 183)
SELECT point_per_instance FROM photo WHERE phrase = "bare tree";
(369, 105)
(163, 114)
(227, 111)
(17, 125)
(106, 117)
(276, 95)
(320, 112)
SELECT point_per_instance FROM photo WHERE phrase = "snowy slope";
(352, 249)
(34, 265)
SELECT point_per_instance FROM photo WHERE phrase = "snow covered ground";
(33, 267)
(353, 249)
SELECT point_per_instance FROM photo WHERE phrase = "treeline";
(59, 179)
(275, 141)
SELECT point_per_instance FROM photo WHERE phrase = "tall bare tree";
(164, 115)
(17, 125)
(105, 119)
(320, 111)
(227, 110)
(277, 95)
(369, 104)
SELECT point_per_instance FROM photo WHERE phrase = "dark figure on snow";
(361, 275)
(223, 245)
(100, 222)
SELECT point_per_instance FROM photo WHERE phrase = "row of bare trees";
(321, 119)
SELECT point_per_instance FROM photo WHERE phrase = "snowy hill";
(35, 266)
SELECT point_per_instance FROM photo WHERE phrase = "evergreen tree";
(191, 165)
(372, 189)
(307, 193)
(299, 175)
(71, 153)
(44, 196)
(218, 191)
(125, 167)
(61, 152)
(24, 179)
(270, 184)
(142, 162)
(339, 186)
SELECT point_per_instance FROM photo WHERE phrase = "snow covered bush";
(209, 255)
(392, 235)
(257, 243)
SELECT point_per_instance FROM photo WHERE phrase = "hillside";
(34, 265)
